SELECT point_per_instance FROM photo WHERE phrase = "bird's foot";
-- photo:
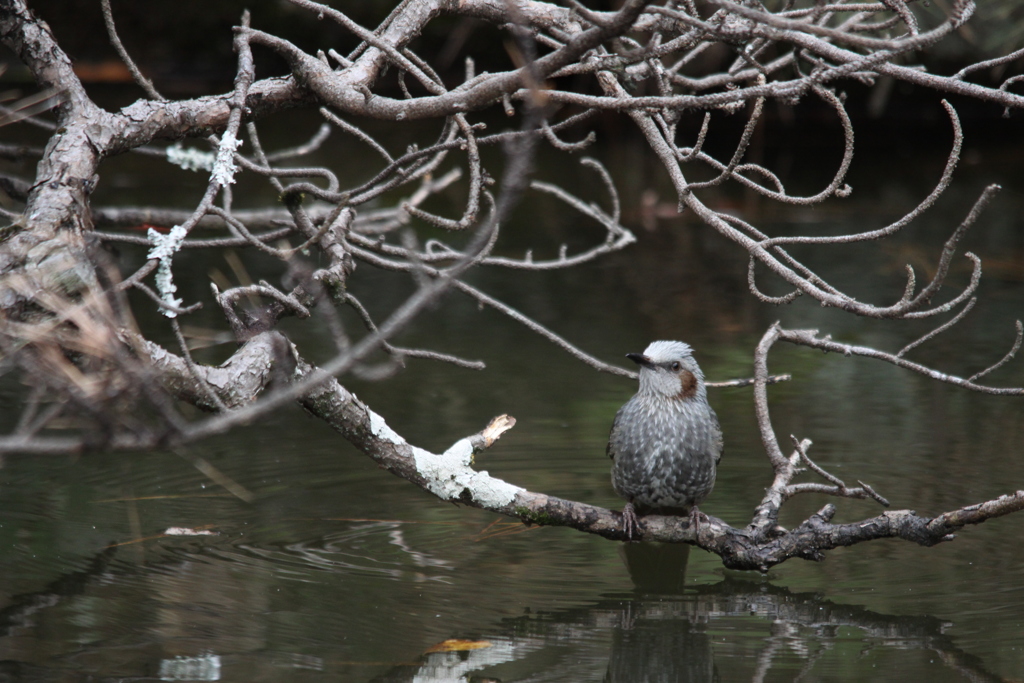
(630, 524)
(695, 519)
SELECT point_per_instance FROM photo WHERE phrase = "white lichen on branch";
(380, 429)
(190, 158)
(450, 475)
(164, 248)
(224, 167)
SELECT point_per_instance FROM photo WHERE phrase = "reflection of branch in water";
(671, 637)
(666, 635)
(17, 613)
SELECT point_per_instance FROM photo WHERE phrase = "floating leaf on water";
(458, 645)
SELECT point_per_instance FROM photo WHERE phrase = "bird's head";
(668, 370)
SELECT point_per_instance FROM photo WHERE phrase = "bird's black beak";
(640, 359)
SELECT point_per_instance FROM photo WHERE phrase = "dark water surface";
(339, 571)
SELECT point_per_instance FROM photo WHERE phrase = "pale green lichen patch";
(449, 476)
(379, 428)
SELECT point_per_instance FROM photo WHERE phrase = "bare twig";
(1009, 355)
(115, 40)
(809, 338)
(939, 330)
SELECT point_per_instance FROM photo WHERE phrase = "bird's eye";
(676, 366)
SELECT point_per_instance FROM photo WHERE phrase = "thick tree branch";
(451, 476)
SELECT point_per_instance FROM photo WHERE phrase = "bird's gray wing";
(717, 441)
(610, 450)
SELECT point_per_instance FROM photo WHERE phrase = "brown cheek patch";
(689, 385)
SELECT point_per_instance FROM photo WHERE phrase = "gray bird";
(666, 442)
